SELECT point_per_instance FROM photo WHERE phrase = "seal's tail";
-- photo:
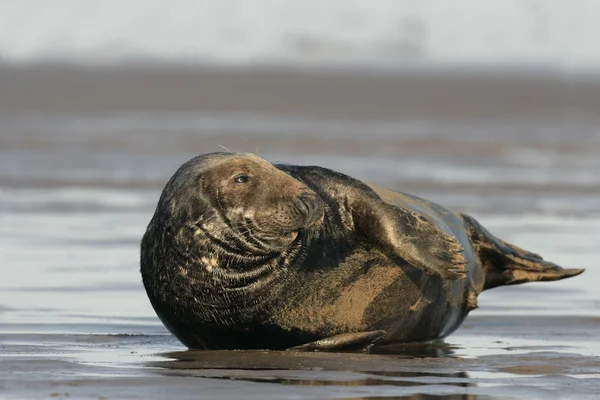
(507, 264)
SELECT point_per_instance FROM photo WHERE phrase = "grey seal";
(244, 254)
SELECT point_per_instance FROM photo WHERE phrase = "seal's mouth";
(290, 235)
(317, 222)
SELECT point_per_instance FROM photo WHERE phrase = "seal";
(244, 254)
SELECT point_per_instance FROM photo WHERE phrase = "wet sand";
(84, 153)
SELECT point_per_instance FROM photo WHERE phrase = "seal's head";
(241, 200)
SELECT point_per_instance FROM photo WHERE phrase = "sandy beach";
(85, 152)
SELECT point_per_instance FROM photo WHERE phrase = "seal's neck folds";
(233, 263)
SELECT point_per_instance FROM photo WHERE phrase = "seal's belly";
(336, 301)
(376, 294)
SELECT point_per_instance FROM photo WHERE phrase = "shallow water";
(77, 188)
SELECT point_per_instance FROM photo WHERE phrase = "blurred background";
(482, 100)
(489, 107)
(550, 34)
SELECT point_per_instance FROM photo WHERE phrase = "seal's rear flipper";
(345, 341)
(507, 264)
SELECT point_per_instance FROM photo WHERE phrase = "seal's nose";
(311, 205)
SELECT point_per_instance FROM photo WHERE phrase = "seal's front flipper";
(427, 247)
(345, 341)
(507, 264)
(408, 235)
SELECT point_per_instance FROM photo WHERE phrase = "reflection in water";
(258, 359)
(436, 349)
(424, 396)
(318, 382)
(317, 369)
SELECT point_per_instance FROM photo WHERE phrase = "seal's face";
(260, 203)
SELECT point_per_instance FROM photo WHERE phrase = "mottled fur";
(241, 254)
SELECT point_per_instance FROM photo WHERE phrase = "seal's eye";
(241, 178)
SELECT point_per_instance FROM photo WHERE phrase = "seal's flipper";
(507, 264)
(408, 235)
(427, 247)
(345, 341)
